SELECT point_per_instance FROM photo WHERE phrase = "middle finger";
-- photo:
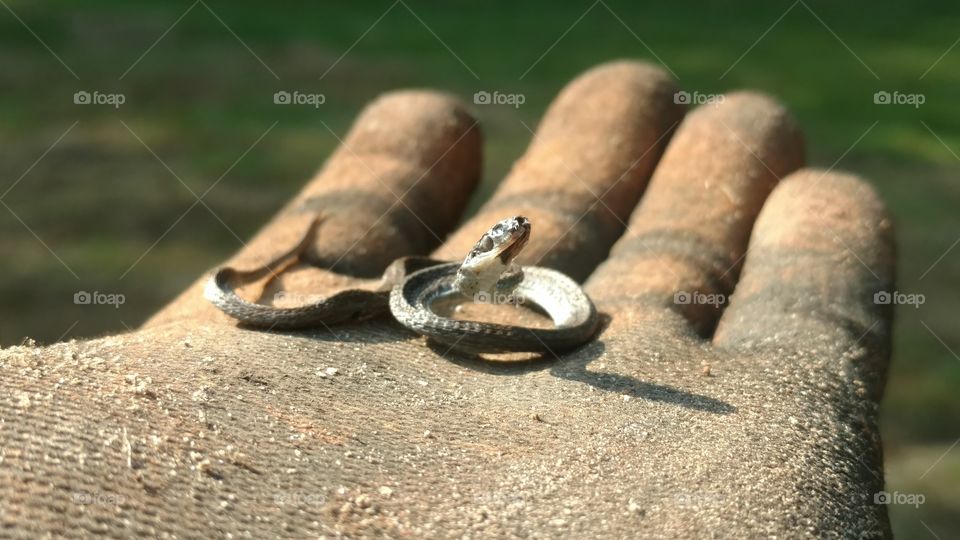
(585, 169)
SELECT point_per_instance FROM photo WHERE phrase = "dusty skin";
(754, 418)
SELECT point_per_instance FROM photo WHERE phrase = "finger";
(585, 168)
(691, 229)
(397, 183)
(822, 249)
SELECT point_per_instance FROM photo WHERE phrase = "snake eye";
(485, 244)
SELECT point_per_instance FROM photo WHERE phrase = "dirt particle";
(23, 400)
(328, 372)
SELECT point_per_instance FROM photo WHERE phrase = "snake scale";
(411, 286)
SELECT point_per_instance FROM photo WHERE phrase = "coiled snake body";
(411, 286)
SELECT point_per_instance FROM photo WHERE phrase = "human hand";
(687, 416)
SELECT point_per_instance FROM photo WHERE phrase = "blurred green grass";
(199, 99)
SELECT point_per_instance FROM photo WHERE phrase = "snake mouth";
(493, 256)
(519, 234)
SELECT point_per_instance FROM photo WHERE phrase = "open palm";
(732, 391)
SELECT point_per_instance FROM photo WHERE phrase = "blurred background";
(140, 143)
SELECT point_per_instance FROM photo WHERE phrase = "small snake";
(412, 286)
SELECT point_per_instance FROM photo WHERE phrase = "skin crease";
(752, 416)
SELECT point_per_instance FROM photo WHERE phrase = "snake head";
(489, 267)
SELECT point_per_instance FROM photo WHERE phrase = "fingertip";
(689, 233)
(397, 184)
(812, 207)
(599, 101)
(416, 126)
(822, 250)
(586, 167)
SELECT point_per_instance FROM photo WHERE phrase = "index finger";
(394, 187)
